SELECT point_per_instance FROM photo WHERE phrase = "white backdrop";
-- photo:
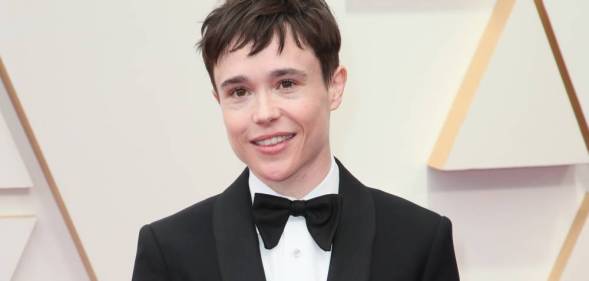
(121, 105)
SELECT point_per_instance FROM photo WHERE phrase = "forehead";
(241, 63)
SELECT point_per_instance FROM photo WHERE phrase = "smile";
(273, 140)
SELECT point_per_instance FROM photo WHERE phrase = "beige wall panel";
(569, 20)
(509, 224)
(576, 266)
(521, 114)
(13, 173)
(50, 254)
(14, 235)
(400, 87)
(123, 111)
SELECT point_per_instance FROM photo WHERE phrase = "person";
(295, 212)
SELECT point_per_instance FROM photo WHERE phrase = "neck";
(305, 180)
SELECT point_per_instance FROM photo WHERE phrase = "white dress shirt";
(296, 257)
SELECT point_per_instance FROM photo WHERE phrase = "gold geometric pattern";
(570, 241)
(463, 102)
(566, 78)
(18, 108)
(466, 94)
(474, 74)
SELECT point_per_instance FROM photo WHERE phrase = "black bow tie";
(322, 215)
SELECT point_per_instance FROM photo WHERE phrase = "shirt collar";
(329, 185)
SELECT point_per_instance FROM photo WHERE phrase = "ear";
(216, 95)
(336, 87)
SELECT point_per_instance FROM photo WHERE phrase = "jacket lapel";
(236, 238)
(352, 245)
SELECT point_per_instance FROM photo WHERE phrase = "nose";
(266, 109)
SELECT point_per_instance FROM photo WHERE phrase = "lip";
(268, 136)
(275, 148)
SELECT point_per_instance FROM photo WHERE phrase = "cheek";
(314, 117)
(234, 125)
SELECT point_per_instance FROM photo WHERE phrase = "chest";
(296, 257)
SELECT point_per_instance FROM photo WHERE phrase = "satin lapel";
(352, 245)
(235, 234)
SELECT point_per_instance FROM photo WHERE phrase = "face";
(276, 109)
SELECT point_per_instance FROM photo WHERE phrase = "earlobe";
(336, 87)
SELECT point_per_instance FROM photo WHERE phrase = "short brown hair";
(240, 22)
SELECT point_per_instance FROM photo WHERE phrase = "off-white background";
(13, 174)
(121, 105)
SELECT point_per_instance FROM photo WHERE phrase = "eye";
(239, 92)
(286, 84)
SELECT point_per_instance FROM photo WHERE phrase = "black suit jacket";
(380, 237)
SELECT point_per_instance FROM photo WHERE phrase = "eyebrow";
(240, 79)
(234, 80)
(287, 71)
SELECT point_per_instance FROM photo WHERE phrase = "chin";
(273, 174)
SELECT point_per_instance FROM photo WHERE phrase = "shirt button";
(296, 253)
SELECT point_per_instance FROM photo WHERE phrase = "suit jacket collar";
(352, 245)
(237, 241)
(235, 234)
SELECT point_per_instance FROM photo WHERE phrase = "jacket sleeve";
(149, 261)
(441, 262)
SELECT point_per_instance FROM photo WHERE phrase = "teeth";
(273, 140)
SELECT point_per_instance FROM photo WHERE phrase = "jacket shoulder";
(399, 217)
(194, 218)
(183, 244)
(389, 204)
(412, 239)
(409, 234)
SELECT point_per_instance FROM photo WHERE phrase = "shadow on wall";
(494, 179)
(513, 219)
(14, 192)
(379, 6)
(583, 176)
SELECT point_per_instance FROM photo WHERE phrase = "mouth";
(273, 140)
